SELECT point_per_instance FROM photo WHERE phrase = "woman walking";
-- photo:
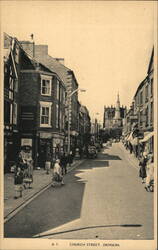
(149, 173)
(57, 174)
(142, 170)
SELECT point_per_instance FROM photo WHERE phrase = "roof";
(140, 86)
(54, 65)
(151, 61)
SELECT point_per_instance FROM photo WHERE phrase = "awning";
(147, 136)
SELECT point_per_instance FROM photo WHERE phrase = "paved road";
(102, 199)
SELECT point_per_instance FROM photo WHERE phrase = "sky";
(107, 44)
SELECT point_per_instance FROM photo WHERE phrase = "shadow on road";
(55, 206)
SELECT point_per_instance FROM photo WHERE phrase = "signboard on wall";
(26, 142)
(45, 135)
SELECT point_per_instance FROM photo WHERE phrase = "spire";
(118, 100)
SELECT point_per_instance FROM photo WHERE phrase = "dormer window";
(46, 83)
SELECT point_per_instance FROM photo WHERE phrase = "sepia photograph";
(78, 125)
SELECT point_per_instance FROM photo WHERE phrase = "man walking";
(63, 163)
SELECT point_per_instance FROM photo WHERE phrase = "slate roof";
(55, 66)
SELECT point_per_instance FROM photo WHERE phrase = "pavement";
(41, 181)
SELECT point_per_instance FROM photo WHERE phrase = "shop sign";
(45, 135)
(26, 142)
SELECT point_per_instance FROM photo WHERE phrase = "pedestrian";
(28, 169)
(48, 163)
(149, 172)
(142, 170)
(70, 158)
(18, 181)
(57, 173)
(63, 163)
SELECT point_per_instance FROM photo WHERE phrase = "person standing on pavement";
(18, 182)
(70, 158)
(63, 163)
(149, 172)
(142, 170)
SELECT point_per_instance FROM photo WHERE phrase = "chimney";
(41, 50)
(28, 47)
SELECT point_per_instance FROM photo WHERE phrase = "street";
(102, 198)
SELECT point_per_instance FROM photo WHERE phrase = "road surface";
(103, 199)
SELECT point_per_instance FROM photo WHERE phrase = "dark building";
(42, 110)
(12, 62)
(40, 53)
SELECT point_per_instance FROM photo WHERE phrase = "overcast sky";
(107, 44)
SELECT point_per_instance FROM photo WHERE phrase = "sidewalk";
(41, 181)
(131, 156)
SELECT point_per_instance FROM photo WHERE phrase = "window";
(147, 116)
(61, 94)
(11, 113)
(141, 97)
(151, 84)
(151, 113)
(61, 121)
(6, 112)
(146, 93)
(57, 116)
(14, 113)
(57, 90)
(46, 85)
(45, 114)
(17, 54)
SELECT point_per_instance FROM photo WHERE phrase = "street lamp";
(69, 113)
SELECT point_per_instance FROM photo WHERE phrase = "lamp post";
(69, 114)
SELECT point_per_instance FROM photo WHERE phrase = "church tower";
(117, 109)
(117, 117)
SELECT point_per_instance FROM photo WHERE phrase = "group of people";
(23, 172)
(146, 171)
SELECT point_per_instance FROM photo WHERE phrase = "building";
(42, 112)
(34, 106)
(12, 62)
(140, 117)
(84, 126)
(113, 118)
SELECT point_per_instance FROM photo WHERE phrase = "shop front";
(58, 146)
(11, 148)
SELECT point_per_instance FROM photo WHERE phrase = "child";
(18, 181)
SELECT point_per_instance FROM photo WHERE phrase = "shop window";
(45, 114)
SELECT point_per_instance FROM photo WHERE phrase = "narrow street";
(103, 199)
